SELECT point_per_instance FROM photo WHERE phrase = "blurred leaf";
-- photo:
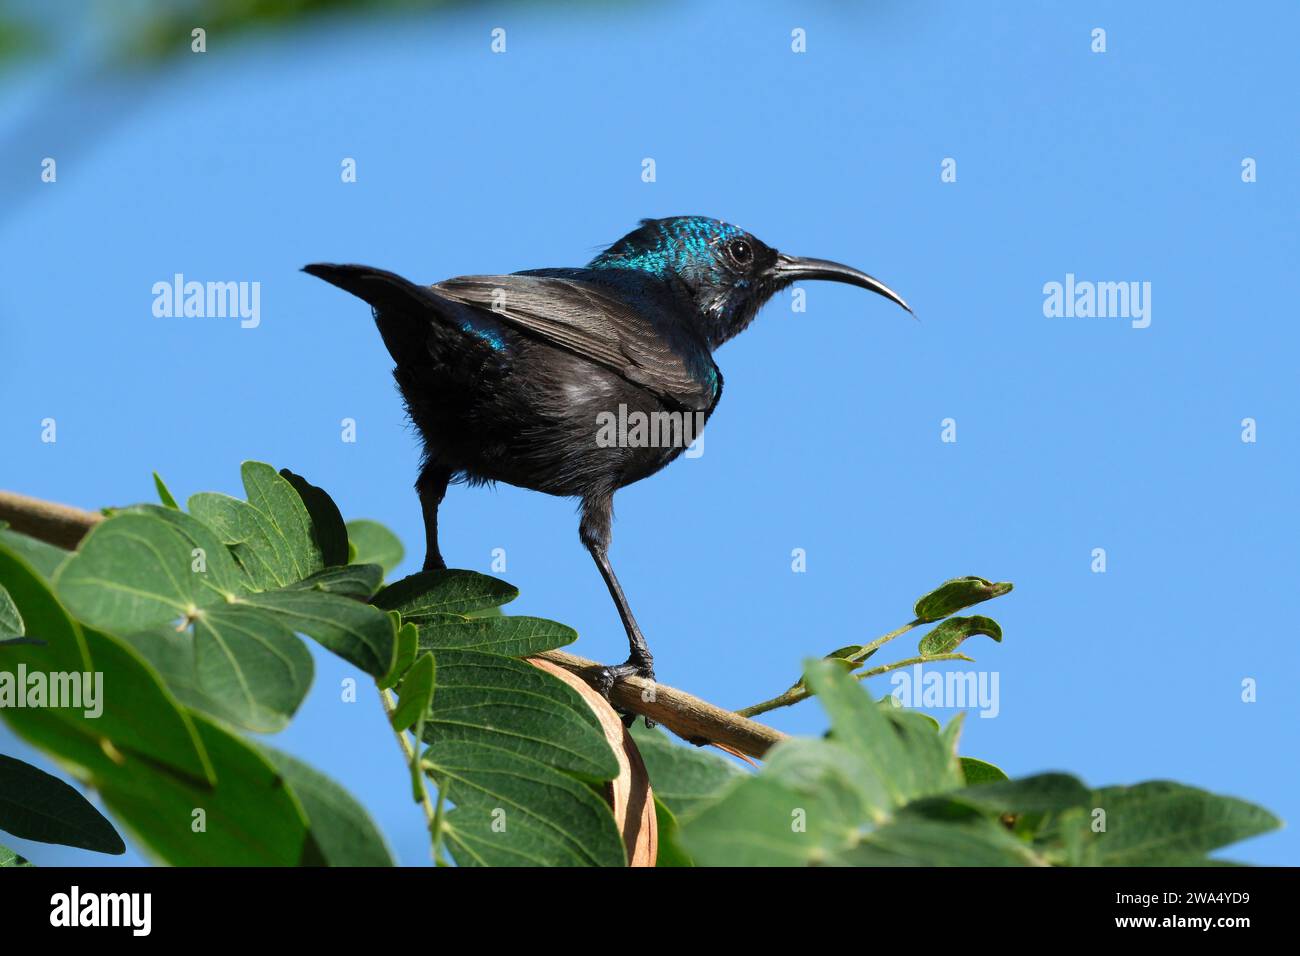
(906, 758)
(949, 635)
(834, 801)
(1044, 792)
(670, 852)
(951, 596)
(909, 842)
(35, 805)
(444, 592)
(17, 40)
(375, 544)
(341, 827)
(978, 771)
(683, 777)
(1158, 823)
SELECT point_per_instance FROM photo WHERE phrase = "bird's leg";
(431, 486)
(597, 515)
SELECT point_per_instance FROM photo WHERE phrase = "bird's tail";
(404, 311)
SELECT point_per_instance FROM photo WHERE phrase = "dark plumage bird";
(509, 377)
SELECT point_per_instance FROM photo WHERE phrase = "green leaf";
(140, 716)
(136, 716)
(951, 596)
(277, 498)
(360, 634)
(444, 592)
(250, 817)
(978, 771)
(975, 842)
(9, 858)
(1042, 793)
(191, 792)
(683, 777)
(11, 622)
(252, 666)
(1158, 823)
(341, 827)
(136, 570)
(171, 654)
(508, 636)
(805, 812)
(513, 706)
(44, 558)
(821, 801)
(407, 647)
(844, 656)
(64, 648)
(272, 535)
(164, 495)
(356, 581)
(416, 693)
(906, 757)
(375, 544)
(950, 633)
(511, 810)
(328, 530)
(35, 805)
(670, 851)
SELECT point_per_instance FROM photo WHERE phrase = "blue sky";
(1072, 433)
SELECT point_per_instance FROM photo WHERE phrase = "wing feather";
(594, 323)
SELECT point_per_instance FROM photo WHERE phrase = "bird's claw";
(607, 677)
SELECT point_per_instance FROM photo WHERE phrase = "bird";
(510, 378)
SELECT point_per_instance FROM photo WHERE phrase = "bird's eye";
(741, 252)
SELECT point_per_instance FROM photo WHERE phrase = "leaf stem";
(801, 692)
(412, 760)
(868, 649)
(920, 659)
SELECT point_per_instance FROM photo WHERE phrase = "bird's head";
(727, 272)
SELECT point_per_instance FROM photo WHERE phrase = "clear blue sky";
(1072, 433)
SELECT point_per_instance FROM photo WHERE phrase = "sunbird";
(510, 377)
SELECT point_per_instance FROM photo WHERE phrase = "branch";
(695, 720)
(692, 719)
(59, 525)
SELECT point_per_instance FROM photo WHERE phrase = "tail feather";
(404, 312)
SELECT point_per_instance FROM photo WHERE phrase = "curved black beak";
(796, 268)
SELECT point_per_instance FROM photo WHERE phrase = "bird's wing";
(590, 322)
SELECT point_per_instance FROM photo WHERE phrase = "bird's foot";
(607, 677)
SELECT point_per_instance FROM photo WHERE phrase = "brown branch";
(59, 525)
(693, 719)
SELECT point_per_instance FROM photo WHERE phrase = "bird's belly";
(557, 424)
